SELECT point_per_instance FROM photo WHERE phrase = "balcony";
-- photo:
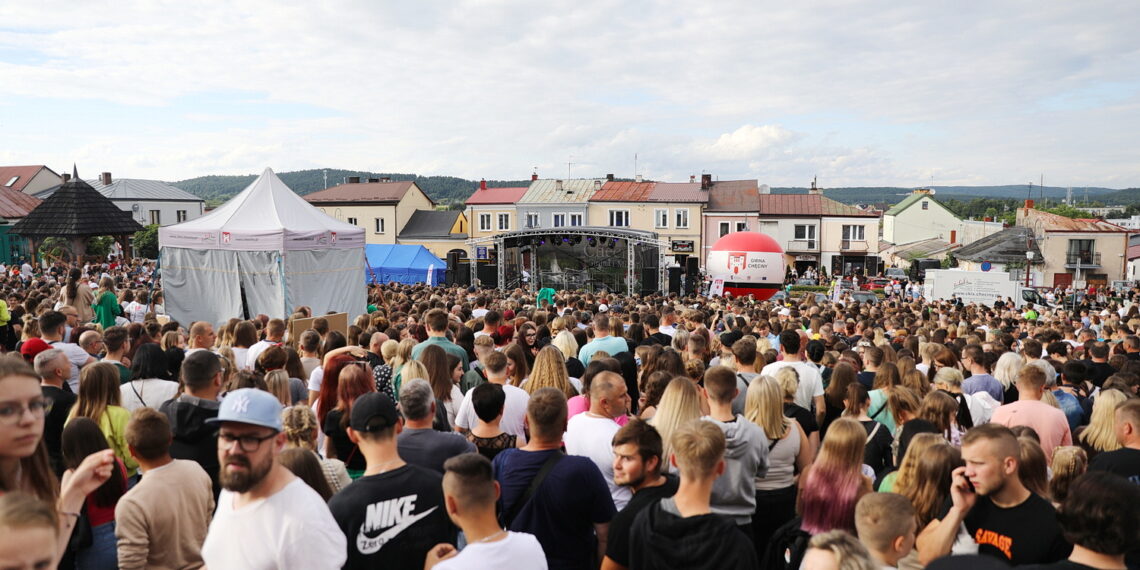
(853, 245)
(803, 245)
(1082, 260)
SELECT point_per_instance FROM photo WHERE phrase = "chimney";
(597, 185)
(483, 184)
(706, 181)
(558, 185)
(814, 189)
(1028, 204)
(609, 178)
(692, 178)
(637, 178)
(354, 180)
(373, 180)
(66, 177)
(987, 219)
(385, 179)
(764, 189)
(533, 176)
(105, 178)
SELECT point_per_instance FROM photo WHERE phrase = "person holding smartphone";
(991, 506)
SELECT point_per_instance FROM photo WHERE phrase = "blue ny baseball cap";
(250, 406)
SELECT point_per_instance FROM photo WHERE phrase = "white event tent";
(268, 245)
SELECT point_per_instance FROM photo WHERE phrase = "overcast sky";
(856, 93)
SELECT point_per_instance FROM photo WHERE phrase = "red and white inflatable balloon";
(749, 262)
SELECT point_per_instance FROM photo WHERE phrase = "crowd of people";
(452, 427)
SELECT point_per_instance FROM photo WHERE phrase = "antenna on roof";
(635, 165)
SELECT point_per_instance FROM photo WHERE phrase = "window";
(854, 233)
(926, 204)
(559, 220)
(1080, 251)
(723, 229)
(12, 181)
(531, 220)
(351, 221)
(180, 216)
(806, 233)
(682, 217)
(619, 218)
(484, 222)
(379, 225)
(155, 217)
(661, 218)
(576, 219)
(504, 222)
(741, 226)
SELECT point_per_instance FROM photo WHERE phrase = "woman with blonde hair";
(565, 343)
(1033, 467)
(550, 372)
(402, 358)
(835, 482)
(382, 374)
(300, 426)
(905, 476)
(98, 400)
(925, 475)
(1006, 370)
(1100, 434)
(886, 381)
(680, 403)
(789, 453)
(788, 379)
(1069, 462)
(278, 383)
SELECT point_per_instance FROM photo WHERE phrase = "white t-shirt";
(591, 436)
(77, 356)
(255, 351)
(514, 411)
(150, 393)
(478, 313)
(239, 358)
(316, 378)
(136, 312)
(811, 383)
(293, 528)
(518, 548)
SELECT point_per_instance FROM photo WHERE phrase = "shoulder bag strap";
(137, 395)
(545, 470)
(874, 431)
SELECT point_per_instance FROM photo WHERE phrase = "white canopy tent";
(268, 245)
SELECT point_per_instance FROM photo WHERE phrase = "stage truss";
(631, 236)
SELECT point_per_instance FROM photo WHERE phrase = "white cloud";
(865, 93)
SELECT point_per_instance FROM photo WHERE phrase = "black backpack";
(786, 548)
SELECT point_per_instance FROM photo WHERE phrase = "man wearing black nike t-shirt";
(1006, 520)
(394, 514)
(637, 465)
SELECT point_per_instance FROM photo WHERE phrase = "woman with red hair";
(353, 380)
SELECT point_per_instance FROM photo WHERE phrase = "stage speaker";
(649, 281)
(692, 266)
(452, 260)
(463, 272)
(449, 277)
(675, 280)
(488, 275)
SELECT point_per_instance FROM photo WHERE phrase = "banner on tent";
(337, 322)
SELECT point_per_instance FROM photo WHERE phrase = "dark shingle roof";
(76, 210)
(1001, 247)
(431, 224)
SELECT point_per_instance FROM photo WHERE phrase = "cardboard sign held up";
(337, 322)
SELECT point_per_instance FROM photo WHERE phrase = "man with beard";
(266, 517)
(637, 464)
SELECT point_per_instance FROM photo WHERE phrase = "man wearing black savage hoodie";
(194, 439)
(681, 531)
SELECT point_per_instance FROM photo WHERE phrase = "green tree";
(146, 242)
(1069, 211)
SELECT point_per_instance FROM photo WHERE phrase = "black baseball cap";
(373, 412)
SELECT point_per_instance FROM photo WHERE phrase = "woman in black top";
(841, 377)
(877, 453)
(354, 381)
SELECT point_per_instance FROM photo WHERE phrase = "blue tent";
(403, 264)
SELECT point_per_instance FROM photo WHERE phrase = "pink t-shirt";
(1049, 422)
(580, 403)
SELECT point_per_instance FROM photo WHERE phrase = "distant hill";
(450, 190)
(441, 189)
(891, 195)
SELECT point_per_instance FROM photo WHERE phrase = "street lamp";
(1028, 260)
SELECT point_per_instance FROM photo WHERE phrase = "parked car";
(865, 297)
(875, 283)
(895, 273)
(805, 281)
(780, 296)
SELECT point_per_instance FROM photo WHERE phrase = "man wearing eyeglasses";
(266, 517)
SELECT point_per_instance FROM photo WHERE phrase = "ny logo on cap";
(241, 403)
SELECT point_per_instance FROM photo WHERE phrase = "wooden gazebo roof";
(76, 210)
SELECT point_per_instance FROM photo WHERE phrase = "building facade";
(379, 206)
(557, 203)
(920, 217)
(1076, 251)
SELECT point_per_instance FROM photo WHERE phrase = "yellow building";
(379, 206)
(440, 231)
(1076, 251)
(491, 211)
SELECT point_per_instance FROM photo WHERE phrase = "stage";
(586, 258)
